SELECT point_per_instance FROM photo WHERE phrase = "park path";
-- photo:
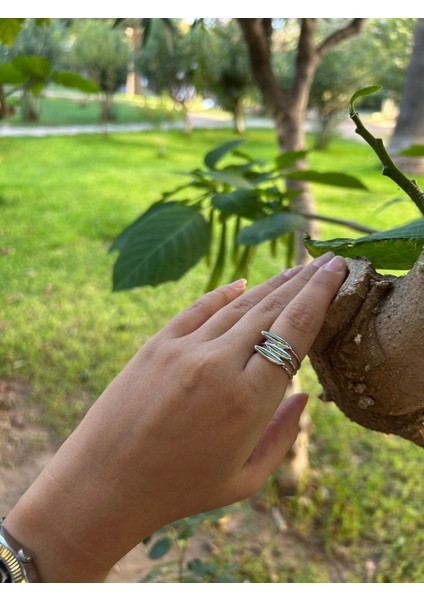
(381, 129)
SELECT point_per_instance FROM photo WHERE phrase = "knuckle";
(301, 317)
(273, 304)
(242, 304)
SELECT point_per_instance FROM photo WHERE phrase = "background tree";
(288, 105)
(348, 66)
(46, 41)
(169, 65)
(100, 52)
(409, 128)
(223, 66)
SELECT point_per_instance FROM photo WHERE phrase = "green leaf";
(414, 150)
(271, 227)
(74, 80)
(286, 159)
(231, 177)
(160, 548)
(120, 241)
(365, 91)
(162, 246)
(200, 568)
(35, 67)
(328, 178)
(9, 29)
(215, 155)
(396, 248)
(244, 203)
(11, 75)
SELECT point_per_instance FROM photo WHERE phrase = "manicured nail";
(289, 273)
(321, 260)
(240, 284)
(336, 264)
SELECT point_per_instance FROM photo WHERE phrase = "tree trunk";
(239, 124)
(106, 107)
(409, 128)
(3, 104)
(134, 37)
(30, 106)
(368, 356)
(288, 108)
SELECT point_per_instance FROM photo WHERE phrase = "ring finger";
(300, 322)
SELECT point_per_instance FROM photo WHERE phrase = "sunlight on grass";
(63, 200)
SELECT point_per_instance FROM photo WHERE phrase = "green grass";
(62, 201)
(86, 111)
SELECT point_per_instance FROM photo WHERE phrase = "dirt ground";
(25, 448)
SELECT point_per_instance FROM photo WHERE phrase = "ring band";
(278, 351)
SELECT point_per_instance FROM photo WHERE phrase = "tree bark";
(134, 37)
(239, 124)
(368, 356)
(409, 128)
(288, 108)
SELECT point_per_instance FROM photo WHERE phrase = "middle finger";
(280, 290)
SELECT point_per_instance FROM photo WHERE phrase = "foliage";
(101, 52)
(396, 248)
(364, 501)
(33, 61)
(238, 205)
(175, 538)
(347, 66)
(168, 66)
(223, 70)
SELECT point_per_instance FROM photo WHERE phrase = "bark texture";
(409, 128)
(369, 354)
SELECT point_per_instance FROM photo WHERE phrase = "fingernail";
(336, 264)
(240, 284)
(321, 260)
(289, 273)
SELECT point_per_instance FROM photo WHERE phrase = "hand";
(193, 422)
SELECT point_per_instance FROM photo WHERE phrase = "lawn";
(62, 201)
(85, 110)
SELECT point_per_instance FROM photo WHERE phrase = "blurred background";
(101, 118)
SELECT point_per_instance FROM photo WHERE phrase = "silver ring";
(278, 351)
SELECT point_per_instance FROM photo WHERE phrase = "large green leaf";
(396, 249)
(286, 159)
(328, 178)
(36, 67)
(161, 247)
(74, 80)
(121, 240)
(244, 203)
(11, 75)
(231, 177)
(414, 150)
(270, 228)
(9, 29)
(215, 155)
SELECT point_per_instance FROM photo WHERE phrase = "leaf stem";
(389, 168)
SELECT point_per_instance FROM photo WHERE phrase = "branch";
(257, 34)
(338, 36)
(346, 223)
(389, 168)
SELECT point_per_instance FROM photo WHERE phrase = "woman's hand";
(193, 422)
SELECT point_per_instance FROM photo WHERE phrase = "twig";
(351, 224)
(389, 168)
